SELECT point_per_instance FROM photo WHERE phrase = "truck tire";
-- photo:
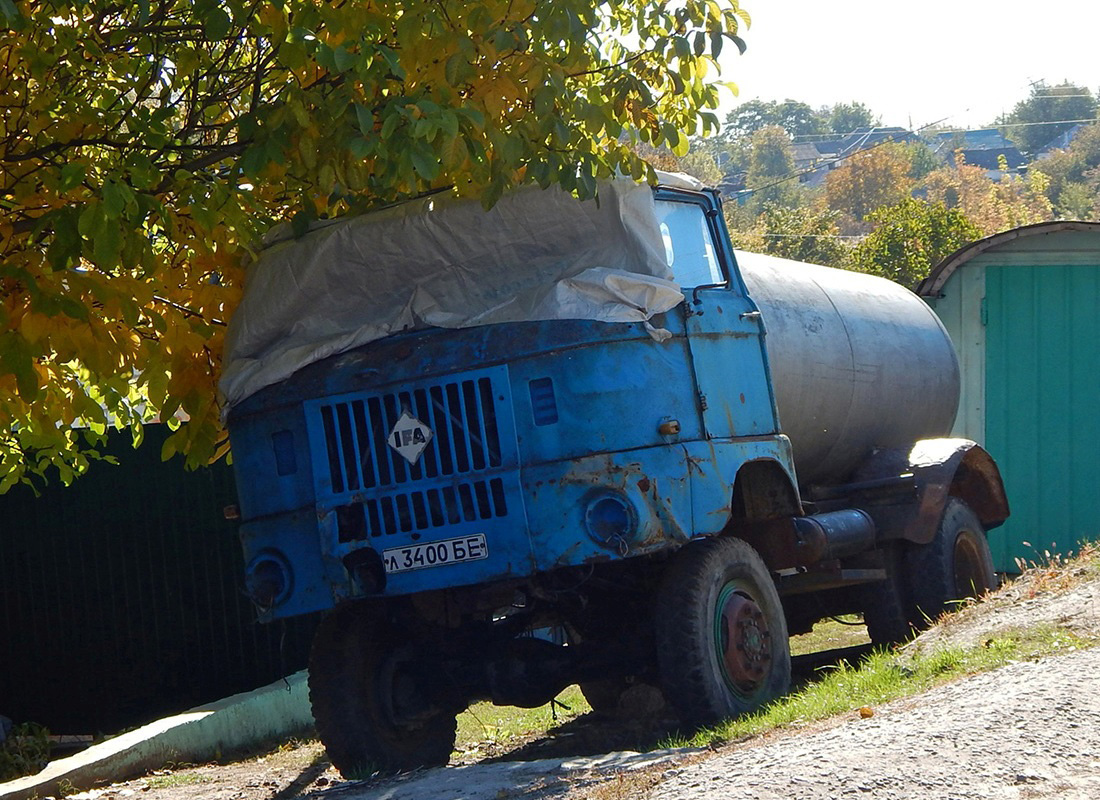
(604, 695)
(955, 565)
(352, 679)
(721, 634)
(885, 603)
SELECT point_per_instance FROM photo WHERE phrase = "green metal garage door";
(1042, 420)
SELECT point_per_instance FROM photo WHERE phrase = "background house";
(985, 148)
(1023, 308)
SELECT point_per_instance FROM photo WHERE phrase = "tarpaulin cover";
(536, 255)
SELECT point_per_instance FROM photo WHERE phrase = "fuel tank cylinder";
(857, 362)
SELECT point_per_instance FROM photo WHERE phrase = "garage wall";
(1042, 421)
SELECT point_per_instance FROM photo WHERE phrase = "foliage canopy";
(910, 238)
(993, 206)
(806, 234)
(1074, 175)
(871, 179)
(144, 147)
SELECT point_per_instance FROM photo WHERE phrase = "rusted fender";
(944, 468)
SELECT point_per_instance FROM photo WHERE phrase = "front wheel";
(721, 633)
(369, 702)
(955, 565)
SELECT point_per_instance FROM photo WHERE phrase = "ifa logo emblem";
(409, 437)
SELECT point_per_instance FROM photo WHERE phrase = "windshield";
(689, 247)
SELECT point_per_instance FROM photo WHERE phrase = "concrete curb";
(237, 722)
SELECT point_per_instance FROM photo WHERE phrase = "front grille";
(377, 492)
(462, 415)
(403, 512)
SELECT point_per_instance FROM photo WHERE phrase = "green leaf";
(105, 246)
(457, 69)
(390, 124)
(113, 200)
(72, 307)
(716, 42)
(365, 118)
(448, 123)
(16, 358)
(64, 250)
(299, 224)
(682, 48)
(216, 23)
(342, 59)
(473, 115)
(11, 14)
(253, 161)
(72, 175)
(425, 163)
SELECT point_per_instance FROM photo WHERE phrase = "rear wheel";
(721, 634)
(955, 565)
(369, 703)
(885, 603)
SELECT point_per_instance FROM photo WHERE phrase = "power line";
(824, 164)
(802, 235)
(822, 138)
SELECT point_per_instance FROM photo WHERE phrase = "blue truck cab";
(447, 495)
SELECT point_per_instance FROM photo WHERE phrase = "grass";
(831, 634)
(885, 676)
(485, 729)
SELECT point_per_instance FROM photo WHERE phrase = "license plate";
(435, 554)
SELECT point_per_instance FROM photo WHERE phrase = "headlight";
(267, 579)
(610, 519)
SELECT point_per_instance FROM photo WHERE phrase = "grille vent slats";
(463, 418)
(422, 510)
(466, 440)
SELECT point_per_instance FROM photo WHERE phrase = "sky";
(967, 61)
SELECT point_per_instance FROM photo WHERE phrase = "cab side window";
(689, 247)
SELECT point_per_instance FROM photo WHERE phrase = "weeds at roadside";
(1053, 572)
(25, 751)
(883, 676)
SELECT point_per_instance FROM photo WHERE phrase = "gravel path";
(1028, 730)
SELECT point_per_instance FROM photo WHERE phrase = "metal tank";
(857, 362)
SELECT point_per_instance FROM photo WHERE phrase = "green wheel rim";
(742, 640)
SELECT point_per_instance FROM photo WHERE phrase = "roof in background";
(1060, 142)
(862, 138)
(990, 158)
(984, 139)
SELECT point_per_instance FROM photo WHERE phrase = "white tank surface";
(857, 362)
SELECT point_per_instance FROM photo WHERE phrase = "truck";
(566, 441)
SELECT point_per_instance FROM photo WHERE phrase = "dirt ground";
(1028, 730)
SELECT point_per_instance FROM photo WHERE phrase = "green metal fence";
(121, 597)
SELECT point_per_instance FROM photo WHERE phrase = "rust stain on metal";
(643, 484)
